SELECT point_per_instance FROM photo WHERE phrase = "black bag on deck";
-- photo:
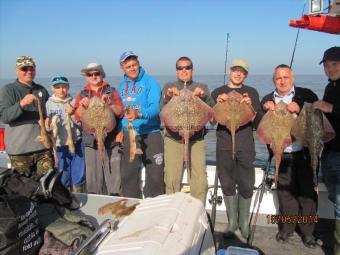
(19, 225)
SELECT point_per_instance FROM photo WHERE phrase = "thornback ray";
(274, 129)
(186, 114)
(311, 129)
(98, 119)
(233, 113)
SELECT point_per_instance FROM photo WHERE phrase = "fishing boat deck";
(265, 242)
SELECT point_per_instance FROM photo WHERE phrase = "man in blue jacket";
(141, 95)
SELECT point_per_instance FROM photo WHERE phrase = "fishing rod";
(263, 187)
(296, 39)
(214, 199)
(226, 59)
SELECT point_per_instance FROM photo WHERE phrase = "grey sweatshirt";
(58, 106)
(23, 127)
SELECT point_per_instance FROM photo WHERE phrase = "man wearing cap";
(239, 172)
(330, 159)
(19, 109)
(69, 148)
(141, 95)
(173, 144)
(295, 188)
(99, 179)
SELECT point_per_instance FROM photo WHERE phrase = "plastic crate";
(233, 250)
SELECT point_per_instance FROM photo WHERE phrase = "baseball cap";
(24, 61)
(59, 79)
(125, 55)
(241, 63)
(93, 67)
(332, 53)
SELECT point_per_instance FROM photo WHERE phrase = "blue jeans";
(330, 162)
(71, 165)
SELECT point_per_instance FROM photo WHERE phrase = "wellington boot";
(243, 215)
(337, 238)
(232, 209)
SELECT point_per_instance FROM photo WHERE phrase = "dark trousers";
(239, 171)
(152, 146)
(296, 194)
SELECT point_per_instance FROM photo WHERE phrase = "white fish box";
(167, 224)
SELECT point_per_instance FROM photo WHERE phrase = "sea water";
(262, 83)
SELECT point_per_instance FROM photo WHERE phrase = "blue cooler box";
(232, 250)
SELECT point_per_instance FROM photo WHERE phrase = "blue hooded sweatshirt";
(143, 95)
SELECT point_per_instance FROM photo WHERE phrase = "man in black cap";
(330, 159)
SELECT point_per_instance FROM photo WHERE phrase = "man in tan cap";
(237, 173)
(18, 108)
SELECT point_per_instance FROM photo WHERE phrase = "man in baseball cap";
(18, 107)
(330, 159)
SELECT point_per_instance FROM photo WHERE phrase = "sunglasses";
(27, 68)
(93, 74)
(60, 79)
(183, 68)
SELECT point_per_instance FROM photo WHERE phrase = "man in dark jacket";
(296, 193)
(19, 109)
(330, 159)
(173, 144)
(237, 173)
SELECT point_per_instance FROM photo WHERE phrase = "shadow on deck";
(265, 242)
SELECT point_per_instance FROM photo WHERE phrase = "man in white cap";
(18, 109)
(141, 95)
(237, 173)
(101, 179)
(330, 160)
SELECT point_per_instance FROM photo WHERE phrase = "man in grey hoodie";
(19, 109)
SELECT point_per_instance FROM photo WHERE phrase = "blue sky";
(65, 35)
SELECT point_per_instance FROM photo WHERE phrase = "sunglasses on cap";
(183, 68)
(60, 79)
(93, 74)
(27, 68)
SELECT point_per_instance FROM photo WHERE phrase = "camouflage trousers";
(34, 164)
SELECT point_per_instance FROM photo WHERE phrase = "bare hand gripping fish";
(43, 137)
(311, 129)
(133, 147)
(186, 114)
(98, 119)
(274, 129)
(233, 113)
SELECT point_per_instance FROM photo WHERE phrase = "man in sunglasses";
(19, 109)
(97, 176)
(141, 96)
(173, 144)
